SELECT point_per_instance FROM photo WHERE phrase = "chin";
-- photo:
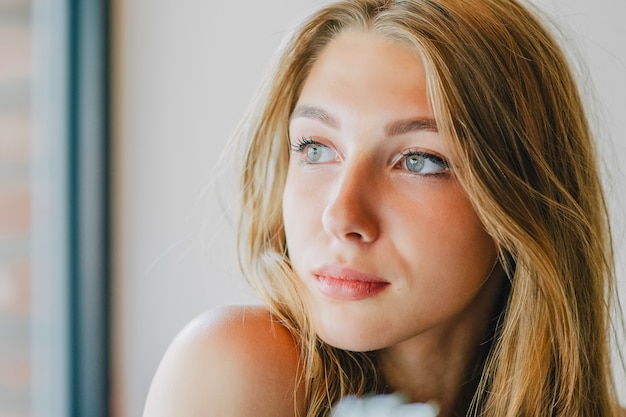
(350, 339)
(350, 327)
(349, 345)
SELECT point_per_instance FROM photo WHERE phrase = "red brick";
(15, 372)
(15, 288)
(15, 143)
(15, 199)
(15, 47)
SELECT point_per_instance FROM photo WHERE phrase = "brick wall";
(15, 119)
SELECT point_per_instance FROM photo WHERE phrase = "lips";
(345, 283)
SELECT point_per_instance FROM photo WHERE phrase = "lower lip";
(349, 290)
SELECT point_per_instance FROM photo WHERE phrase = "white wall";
(183, 74)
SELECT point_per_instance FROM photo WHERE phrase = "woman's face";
(384, 239)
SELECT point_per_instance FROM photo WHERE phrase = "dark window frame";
(71, 216)
(89, 266)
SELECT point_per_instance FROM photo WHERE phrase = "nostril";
(354, 236)
(349, 223)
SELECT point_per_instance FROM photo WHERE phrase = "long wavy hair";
(503, 91)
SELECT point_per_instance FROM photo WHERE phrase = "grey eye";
(318, 153)
(424, 163)
(415, 162)
(314, 152)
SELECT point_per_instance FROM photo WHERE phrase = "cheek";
(298, 212)
(290, 207)
(446, 232)
(466, 251)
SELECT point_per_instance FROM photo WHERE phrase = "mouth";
(348, 284)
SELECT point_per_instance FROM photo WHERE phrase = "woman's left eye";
(424, 163)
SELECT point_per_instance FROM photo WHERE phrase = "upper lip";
(347, 273)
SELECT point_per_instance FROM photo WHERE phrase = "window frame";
(70, 242)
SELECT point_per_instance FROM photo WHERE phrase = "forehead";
(367, 79)
(364, 72)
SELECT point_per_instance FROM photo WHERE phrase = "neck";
(444, 364)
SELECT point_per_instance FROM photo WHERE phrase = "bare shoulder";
(231, 361)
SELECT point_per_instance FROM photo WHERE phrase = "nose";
(351, 210)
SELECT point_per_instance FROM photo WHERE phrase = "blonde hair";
(502, 89)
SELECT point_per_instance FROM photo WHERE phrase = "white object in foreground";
(393, 405)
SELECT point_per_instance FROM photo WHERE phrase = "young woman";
(422, 213)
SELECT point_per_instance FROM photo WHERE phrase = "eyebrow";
(401, 127)
(315, 113)
(395, 128)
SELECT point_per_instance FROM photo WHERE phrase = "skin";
(352, 203)
(357, 207)
(229, 362)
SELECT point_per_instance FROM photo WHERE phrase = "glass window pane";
(15, 198)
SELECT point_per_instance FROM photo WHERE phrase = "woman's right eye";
(313, 151)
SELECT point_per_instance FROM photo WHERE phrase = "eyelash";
(304, 141)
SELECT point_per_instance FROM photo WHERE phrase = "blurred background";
(113, 233)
